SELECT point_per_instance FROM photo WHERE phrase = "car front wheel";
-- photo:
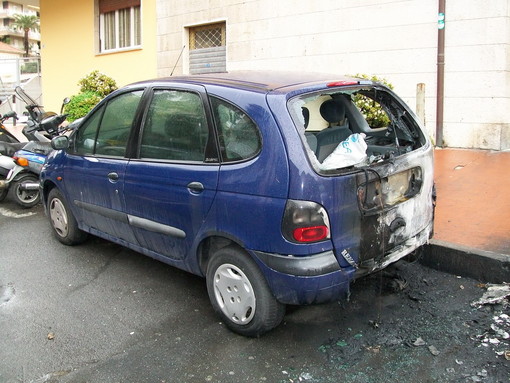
(62, 220)
(240, 294)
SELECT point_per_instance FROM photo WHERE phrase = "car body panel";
(164, 212)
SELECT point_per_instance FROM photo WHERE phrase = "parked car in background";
(247, 180)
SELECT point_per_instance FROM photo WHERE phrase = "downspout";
(440, 73)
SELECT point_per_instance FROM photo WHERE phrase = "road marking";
(11, 214)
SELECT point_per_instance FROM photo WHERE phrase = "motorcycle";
(23, 178)
(9, 144)
(34, 129)
(5, 135)
(26, 163)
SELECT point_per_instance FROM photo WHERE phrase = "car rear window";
(354, 127)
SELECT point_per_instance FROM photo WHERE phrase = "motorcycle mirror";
(66, 101)
(60, 142)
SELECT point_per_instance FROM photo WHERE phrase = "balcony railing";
(9, 13)
(4, 31)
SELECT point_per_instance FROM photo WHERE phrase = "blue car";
(278, 188)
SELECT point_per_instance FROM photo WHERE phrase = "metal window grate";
(209, 36)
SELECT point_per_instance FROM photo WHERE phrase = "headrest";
(332, 111)
(306, 115)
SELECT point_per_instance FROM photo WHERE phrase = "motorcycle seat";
(9, 148)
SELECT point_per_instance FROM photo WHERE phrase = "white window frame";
(132, 31)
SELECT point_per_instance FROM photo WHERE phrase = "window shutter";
(106, 6)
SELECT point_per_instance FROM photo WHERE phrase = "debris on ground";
(495, 294)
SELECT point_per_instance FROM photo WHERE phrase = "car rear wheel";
(62, 220)
(240, 294)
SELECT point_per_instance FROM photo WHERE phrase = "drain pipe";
(440, 73)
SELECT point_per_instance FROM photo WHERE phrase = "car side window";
(85, 139)
(116, 124)
(238, 134)
(107, 131)
(175, 127)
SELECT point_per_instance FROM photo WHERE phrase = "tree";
(26, 23)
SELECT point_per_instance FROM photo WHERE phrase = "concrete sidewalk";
(472, 223)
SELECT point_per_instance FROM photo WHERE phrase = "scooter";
(26, 163)
(34, 130)
(5, 135)
(9, 144)
(23, 178)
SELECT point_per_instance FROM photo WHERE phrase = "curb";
(484, 266)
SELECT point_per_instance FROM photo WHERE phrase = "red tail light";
(305, 222)
(311, 234)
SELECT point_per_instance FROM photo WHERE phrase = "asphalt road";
(101, 313)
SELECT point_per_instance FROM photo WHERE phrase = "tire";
(240, 294)
(3, 194)
(25, 198)
(63, 223)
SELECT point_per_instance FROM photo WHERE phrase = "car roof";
(260, 81)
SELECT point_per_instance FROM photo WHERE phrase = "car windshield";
(354, 127)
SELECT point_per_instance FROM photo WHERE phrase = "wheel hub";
(234, 293)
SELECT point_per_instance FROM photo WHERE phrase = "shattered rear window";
(354, 127)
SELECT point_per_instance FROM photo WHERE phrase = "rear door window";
(175, 127)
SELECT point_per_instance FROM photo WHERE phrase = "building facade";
(15, 37)
(115, 37)
(396, 40)
(393, 39)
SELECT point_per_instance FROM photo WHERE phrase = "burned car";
(273, 186)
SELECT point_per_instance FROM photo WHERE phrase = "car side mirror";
(60, 142)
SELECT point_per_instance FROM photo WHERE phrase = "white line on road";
(11, 214)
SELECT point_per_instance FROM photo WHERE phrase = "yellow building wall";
(69, 41)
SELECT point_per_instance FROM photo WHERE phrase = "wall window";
(207, 45)
(119, 25)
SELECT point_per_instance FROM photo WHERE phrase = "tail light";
(305, 222)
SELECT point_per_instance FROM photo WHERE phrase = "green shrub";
(371, 109)
(80, 105)
(30, 67)
(98, 83)
(93, 87)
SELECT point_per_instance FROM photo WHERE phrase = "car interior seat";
(333, 111)
(310, 137)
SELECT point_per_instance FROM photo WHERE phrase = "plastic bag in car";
(349, 152)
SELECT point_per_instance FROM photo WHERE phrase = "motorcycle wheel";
(25, 198)
(3, 194)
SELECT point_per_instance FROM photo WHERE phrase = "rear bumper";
(319, 278)
(305, 280)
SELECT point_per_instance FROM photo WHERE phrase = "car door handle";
(113, 176)
(196, 187)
